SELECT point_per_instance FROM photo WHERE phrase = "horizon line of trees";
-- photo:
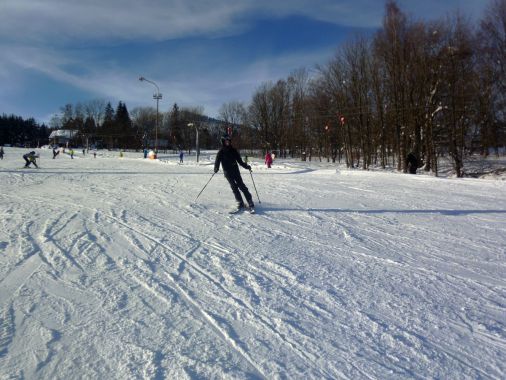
(16, 131)
(432, 88)
(100, 125)
(97, 123)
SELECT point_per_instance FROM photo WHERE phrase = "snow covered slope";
(108, 270)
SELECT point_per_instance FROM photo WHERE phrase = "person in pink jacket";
(268, 159)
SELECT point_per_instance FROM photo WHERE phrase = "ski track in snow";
(109, 270)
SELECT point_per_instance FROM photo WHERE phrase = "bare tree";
(390, 48)
(458, 88)
(298, 87)
(260, 114)
(233, 113)
(144, 122)
(95, 110)
(492, 71)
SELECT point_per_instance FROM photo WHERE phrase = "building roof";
(65, 133)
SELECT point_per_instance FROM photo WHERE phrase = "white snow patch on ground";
(109, 270)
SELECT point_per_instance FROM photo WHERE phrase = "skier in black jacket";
(229, 157)
(30, 158)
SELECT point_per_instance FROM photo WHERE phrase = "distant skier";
(145, 151)
(229, 157)
(412, 163)
(181, 156)
(30, 158)
(71, 153)
(56, 152)
(1, 152)
(268, 159)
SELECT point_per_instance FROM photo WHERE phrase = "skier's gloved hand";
(215, 171)
(248, 167)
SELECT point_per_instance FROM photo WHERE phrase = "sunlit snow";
(109, 270)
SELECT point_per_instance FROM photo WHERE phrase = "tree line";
(16, 131)
(100, 125)
(431, 88)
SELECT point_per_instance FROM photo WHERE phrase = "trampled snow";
(109, 270)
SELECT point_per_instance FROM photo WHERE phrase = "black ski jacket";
(229, 157)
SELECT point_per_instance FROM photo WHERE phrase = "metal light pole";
(327, 142)
(197, 139)
(157, 96)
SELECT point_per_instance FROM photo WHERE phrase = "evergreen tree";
(123, 125)
(108, 127)
(16, 131)
(89, 131)
(176, 126)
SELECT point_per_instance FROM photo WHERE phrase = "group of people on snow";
(31, 157)
(229, 159)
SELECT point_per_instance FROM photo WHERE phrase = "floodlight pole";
(197, 139)
(157, 96)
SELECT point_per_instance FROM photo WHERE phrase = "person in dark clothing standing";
(412, 163)
(229, 157)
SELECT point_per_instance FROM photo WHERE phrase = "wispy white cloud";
(59, 22)
(210, 89)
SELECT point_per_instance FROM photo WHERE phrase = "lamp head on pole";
(142, 79)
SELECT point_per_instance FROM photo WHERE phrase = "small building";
(62, 136)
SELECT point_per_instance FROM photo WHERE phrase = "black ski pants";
(28, 162)
(236, 183)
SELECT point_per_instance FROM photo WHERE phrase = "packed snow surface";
(110, 270)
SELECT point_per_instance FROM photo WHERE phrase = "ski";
(239, 210)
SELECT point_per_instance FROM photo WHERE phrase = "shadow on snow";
(337, 210)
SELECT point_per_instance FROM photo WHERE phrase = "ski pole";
(204, 187)
(251, 173)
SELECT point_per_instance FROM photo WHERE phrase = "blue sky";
(199, 52)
